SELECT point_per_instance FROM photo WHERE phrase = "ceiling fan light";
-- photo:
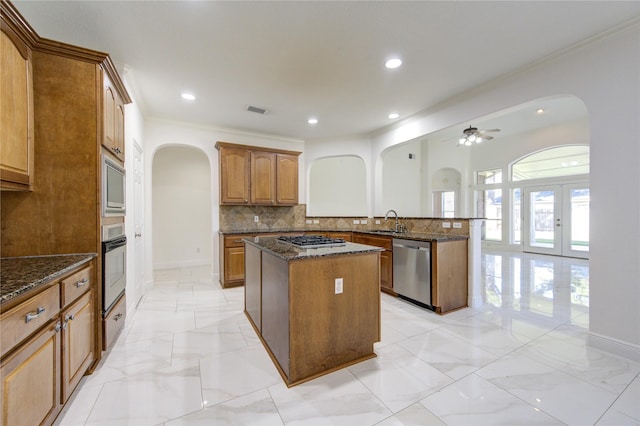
(472, 138)
(462, 141)
(478, 139)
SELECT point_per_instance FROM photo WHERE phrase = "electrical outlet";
(316, 221)
(377, 221)
(363, 222)
(457, 225)
(309, 222)
(446, 224)
(339, 285)
(256, 219)
(356, 222)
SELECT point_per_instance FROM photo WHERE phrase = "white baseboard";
(182, 264)
(614, 346)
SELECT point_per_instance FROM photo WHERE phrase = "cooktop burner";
(313, 241)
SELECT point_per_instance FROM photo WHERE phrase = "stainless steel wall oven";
(114, 265)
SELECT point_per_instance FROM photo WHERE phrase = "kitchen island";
(316, 310)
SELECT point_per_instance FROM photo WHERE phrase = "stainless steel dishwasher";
(412, 271)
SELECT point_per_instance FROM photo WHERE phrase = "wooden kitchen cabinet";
(30, 377)
(113, 138)
(257, 176)
(48, 343)
(449, 275)
(16, 110)
(263, 178)
(79, 340)
(232, 261)
(287, 179)
(234, 165)
(386, 257)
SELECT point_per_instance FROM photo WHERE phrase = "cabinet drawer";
(26, 318)
(235, 240)
(76, 285)
(113, 323)
(371, 240)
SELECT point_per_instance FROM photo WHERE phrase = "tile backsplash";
(242, 218)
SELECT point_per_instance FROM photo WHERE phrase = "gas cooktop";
(313, 241)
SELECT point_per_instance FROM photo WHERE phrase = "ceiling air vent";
(256, 109)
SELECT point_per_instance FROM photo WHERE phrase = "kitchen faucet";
(398, 226)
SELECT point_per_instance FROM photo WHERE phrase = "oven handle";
(114, 244)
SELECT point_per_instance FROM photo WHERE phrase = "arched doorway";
(181, 208)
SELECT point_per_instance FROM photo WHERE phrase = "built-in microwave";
(113, 188)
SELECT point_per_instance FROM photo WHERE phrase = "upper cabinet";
(113, 104)
(234, 175)
(16, 111)
(257, 176)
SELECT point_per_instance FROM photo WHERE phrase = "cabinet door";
(386, 270)
(233, 264)
(16, 113)
(109, 139)
(79, 342)
(30, 391)
(263, 178)
(287, 179)
(119, 133)
(234, 175)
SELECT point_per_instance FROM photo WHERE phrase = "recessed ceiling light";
(393, 63)
(394, 115)
(540, 111)
(188, 96)
(312, 121)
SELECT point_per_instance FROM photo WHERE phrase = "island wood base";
(306, 327)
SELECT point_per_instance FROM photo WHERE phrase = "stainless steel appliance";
(313, 241)
(412, 271)
(113, 188)
(114, 261)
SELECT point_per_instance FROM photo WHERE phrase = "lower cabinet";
(31, 379)
(232, 260)
(40, 371)
(386, 257)
(78, 334)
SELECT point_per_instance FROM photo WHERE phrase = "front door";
(556, 220)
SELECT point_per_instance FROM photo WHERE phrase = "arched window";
(558, 161)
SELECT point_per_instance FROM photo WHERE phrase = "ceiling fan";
(471, 135)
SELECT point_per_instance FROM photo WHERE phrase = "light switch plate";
(446, 224)
(457, 225)
(363, 222)
(356, 222)
(256, 219)
(308, 221)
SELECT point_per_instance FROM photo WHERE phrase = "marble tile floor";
(190, 357)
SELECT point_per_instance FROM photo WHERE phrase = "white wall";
(181, 202)
(339, 187)
(402, 180)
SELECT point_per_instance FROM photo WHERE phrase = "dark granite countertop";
(19, 275)
(290, 252)
(406, 235)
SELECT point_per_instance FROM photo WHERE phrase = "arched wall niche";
(337, 186)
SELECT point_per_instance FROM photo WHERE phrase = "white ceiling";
(316, 58)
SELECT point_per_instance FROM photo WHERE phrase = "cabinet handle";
(33, 315)
(237, 241)
(58, 327)
(82, 282)
(69, 317)
(117, 317)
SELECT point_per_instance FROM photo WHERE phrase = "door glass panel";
(542, 214)
(490, 207)
(516, 217)
(579, 219)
